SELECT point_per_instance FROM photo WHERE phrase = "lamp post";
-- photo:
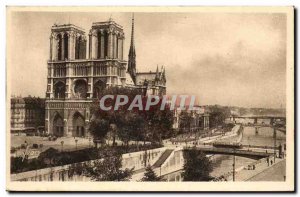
(25, 152)
(76, 143)
(233, 166)
(62, 146)
(149, 132)
(274, 143)
(145, 158)
(160, 141)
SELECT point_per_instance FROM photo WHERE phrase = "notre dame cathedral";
(74, 80)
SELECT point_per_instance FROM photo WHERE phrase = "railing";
(263, 147)
(232, 151)
(81, 68)
(68, 99)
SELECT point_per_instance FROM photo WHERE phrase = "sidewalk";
(245, 174)
(275, 173)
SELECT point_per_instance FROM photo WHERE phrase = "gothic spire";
(164, 74)
(132, 48)
(161, 72)
(157, 73)
(131, 56)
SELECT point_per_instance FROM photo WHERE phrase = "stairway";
(162, 158)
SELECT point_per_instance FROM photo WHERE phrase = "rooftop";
(106, 23)
(57, 27)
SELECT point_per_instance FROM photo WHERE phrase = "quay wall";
(134, 160)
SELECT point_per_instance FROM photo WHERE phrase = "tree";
(129, 126)
(99, 126)
(49, 156)
(197, 166)
(108, 169)
(217, 116)
(136, 127)
(150, 175)
(159, 122)
(186, 120)
(164, 122)
(17, 164)
(118, 122)
(134, 124)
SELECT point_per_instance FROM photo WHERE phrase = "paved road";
(275, 173)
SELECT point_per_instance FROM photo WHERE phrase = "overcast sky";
(226, 59)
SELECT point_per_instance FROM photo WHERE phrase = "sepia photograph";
(150, 99)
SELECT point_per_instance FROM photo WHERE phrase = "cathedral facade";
(81, 67)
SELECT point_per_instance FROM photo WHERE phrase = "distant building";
(27, 114)
(153, 83)
(200, 118)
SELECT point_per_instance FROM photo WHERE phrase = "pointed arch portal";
(58, 126)
(78, 125)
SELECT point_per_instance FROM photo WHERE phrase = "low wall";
(172, 164)
(137, 159)
(235, 131)
(62, 173)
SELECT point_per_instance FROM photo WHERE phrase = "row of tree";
(129, 125)
(217, 116)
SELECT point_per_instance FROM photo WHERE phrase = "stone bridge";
(272, 119)
(258, 126)
(250, 153)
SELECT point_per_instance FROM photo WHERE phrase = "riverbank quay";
(236, 132)
(262, 170)
(134, 160)
(162, 160)
(277, 172)
(246, 174)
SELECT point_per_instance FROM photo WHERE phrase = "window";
(59, 47)
(105, 44)
(66, 46)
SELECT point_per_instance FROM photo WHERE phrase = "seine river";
(265, 137)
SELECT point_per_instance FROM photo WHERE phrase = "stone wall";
(61, 173)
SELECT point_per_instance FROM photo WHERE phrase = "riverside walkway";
(277, 172)
(261, 170)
